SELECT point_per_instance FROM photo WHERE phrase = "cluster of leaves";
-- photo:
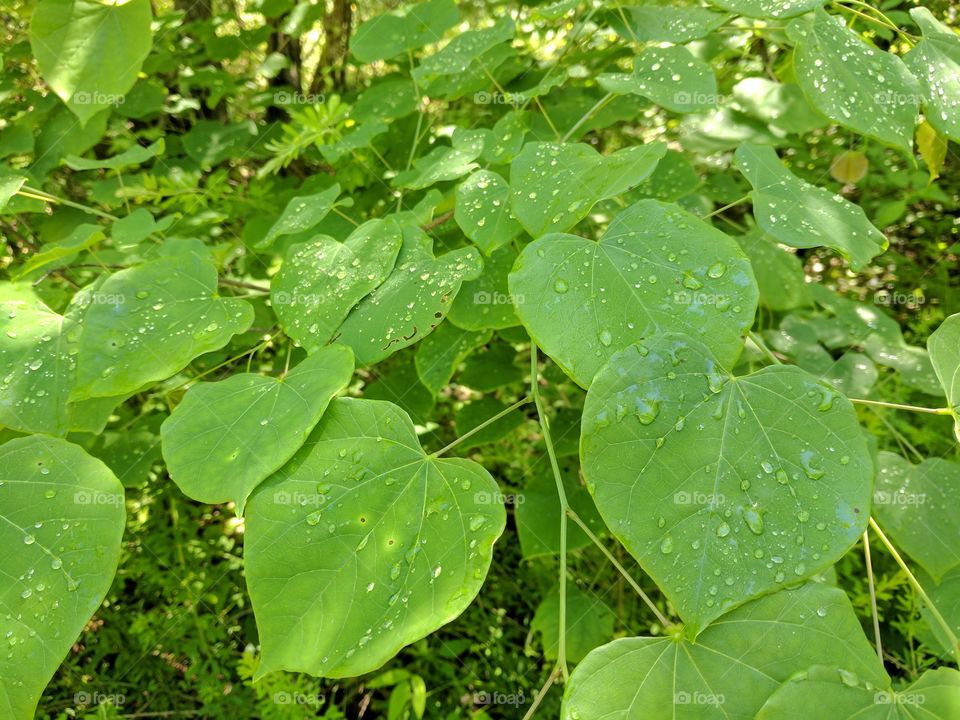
(242, 286)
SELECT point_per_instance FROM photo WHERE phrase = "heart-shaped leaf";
(165, 313)
(363, 544)
(664, 23)
(944, 348)
(226, 437)
(483, 211)
(733, 666)
(801, 215)
(935, 61)
(554, 185)
(411, 302)
(301, 214)
(61, 521)
(656, 269)
(916, 504)
(723, 488)
(673, 78)
(485, 303)
(936, 695)
(322, 280)
(391, 33)
(854, 84)
(71, 41)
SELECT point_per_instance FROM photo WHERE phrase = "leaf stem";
(598, 106)
(898, 406)
(622, 570)
(873, 594)
(726, 207)
(47, 197)
(481, 426)
(551, 679)
(564, 508)
(759, 342)
(948, 631)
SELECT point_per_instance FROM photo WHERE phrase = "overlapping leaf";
(723, 488)
(61, 521)
(226, 437)
(935, 61)
(363, 544)
(656, 269)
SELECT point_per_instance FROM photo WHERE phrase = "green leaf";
(935, 62)
(493, 369)
(458, 56)
(854, 84)
(62, 518)
(673, 178)
(131, 230)
(363, 544)
(136, 155)
(944, 348)
(723, 488)
(916, 506)
(81, 238)
(483, 211)
(72, 40)
(226, 437)
(935, 695)
(442, 351)
(656, 269)
(411, 302)
(10, 186)
(768, 8)
(444, 163)
(554, 185)
(38, 350)
(485, 303)
(302, 214)
(392, 33)
(801, 215)
(675, 79)
(322, 280)
(733, 666)
(167, 312)
(779, 274)
(665, 23)
(589, 623)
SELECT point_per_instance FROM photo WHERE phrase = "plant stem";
(898, 406)
(564, 508)
(622, 570)
(47, 197)
(481, 426)
(587, 115)
(542, 693)
(948, 631)
(873, 594)
(726, 207)
(758, 341)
